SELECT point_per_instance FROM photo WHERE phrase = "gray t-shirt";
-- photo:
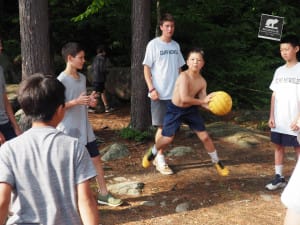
(3, 115)
(75, 122)
(43, 166)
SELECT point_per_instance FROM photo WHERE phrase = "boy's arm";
(87, 204)
(82, 99)
(184, 92)
(10, 114)
(5, 192)
(148, 78)
(272, 118)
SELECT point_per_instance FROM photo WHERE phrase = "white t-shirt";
(165, 60)
(291, 194)
(286, 85)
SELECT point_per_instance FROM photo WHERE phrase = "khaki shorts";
(158, 111)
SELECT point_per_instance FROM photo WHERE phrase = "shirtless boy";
(189, 93)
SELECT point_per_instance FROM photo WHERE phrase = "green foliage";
(93, 8)
(237, 61)
(139, 136)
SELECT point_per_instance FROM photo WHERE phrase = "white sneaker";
(163, 169)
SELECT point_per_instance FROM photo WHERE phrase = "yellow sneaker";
(222, 170)
(148, 157)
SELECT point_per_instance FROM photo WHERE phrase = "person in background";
(99, 68)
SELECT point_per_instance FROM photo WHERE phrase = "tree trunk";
(140, 104)
(34, 31)
(157, 30)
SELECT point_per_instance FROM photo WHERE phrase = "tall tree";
(140, 107)
(34, 31)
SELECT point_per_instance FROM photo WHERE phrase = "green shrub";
(139, 136)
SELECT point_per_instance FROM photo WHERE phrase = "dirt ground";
(239, 199)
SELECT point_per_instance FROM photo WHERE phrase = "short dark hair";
(166, 17)
(290, 39)
(101, 49)
(195, 50)
(71, 48)
(40, 95)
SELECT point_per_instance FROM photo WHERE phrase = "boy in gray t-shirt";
(75, 122)
(45, 173)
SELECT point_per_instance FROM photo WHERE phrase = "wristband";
(151, 90)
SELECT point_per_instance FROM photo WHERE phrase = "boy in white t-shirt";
(285, 107)
(162, 65)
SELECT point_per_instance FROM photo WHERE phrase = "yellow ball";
(220, 104)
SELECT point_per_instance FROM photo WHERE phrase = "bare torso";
(189, 89)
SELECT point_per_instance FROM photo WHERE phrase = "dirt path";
(239, 199)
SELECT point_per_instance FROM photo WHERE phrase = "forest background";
(236, 59)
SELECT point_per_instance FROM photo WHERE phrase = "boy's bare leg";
(162, 143)
(157, 136)
(279, 154)
(104, 197)
(278, 181)
(104, 99)
(100, 177)
(206, 140)
(212, 152)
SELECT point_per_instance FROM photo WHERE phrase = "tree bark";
(34, 31)
(140, 104)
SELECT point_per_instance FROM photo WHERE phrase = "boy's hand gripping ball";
(220, 103)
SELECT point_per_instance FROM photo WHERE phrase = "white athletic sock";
(154, 150)
(160, 160)
(214, 156)
(278, 169)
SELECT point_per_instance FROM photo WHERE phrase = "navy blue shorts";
(92, 149)
(284, 139)
(8, 131)
(175, 116)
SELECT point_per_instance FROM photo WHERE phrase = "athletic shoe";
(109, 109)
(109, 200)
(91, 110)
(276, 183)
(222, 170)
(148, 157)
(165, 169)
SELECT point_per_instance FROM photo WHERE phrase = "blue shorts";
(158, 111)
(99, 87)
(8, 131)
(284, 139)
(92, 149)
(175, 116)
